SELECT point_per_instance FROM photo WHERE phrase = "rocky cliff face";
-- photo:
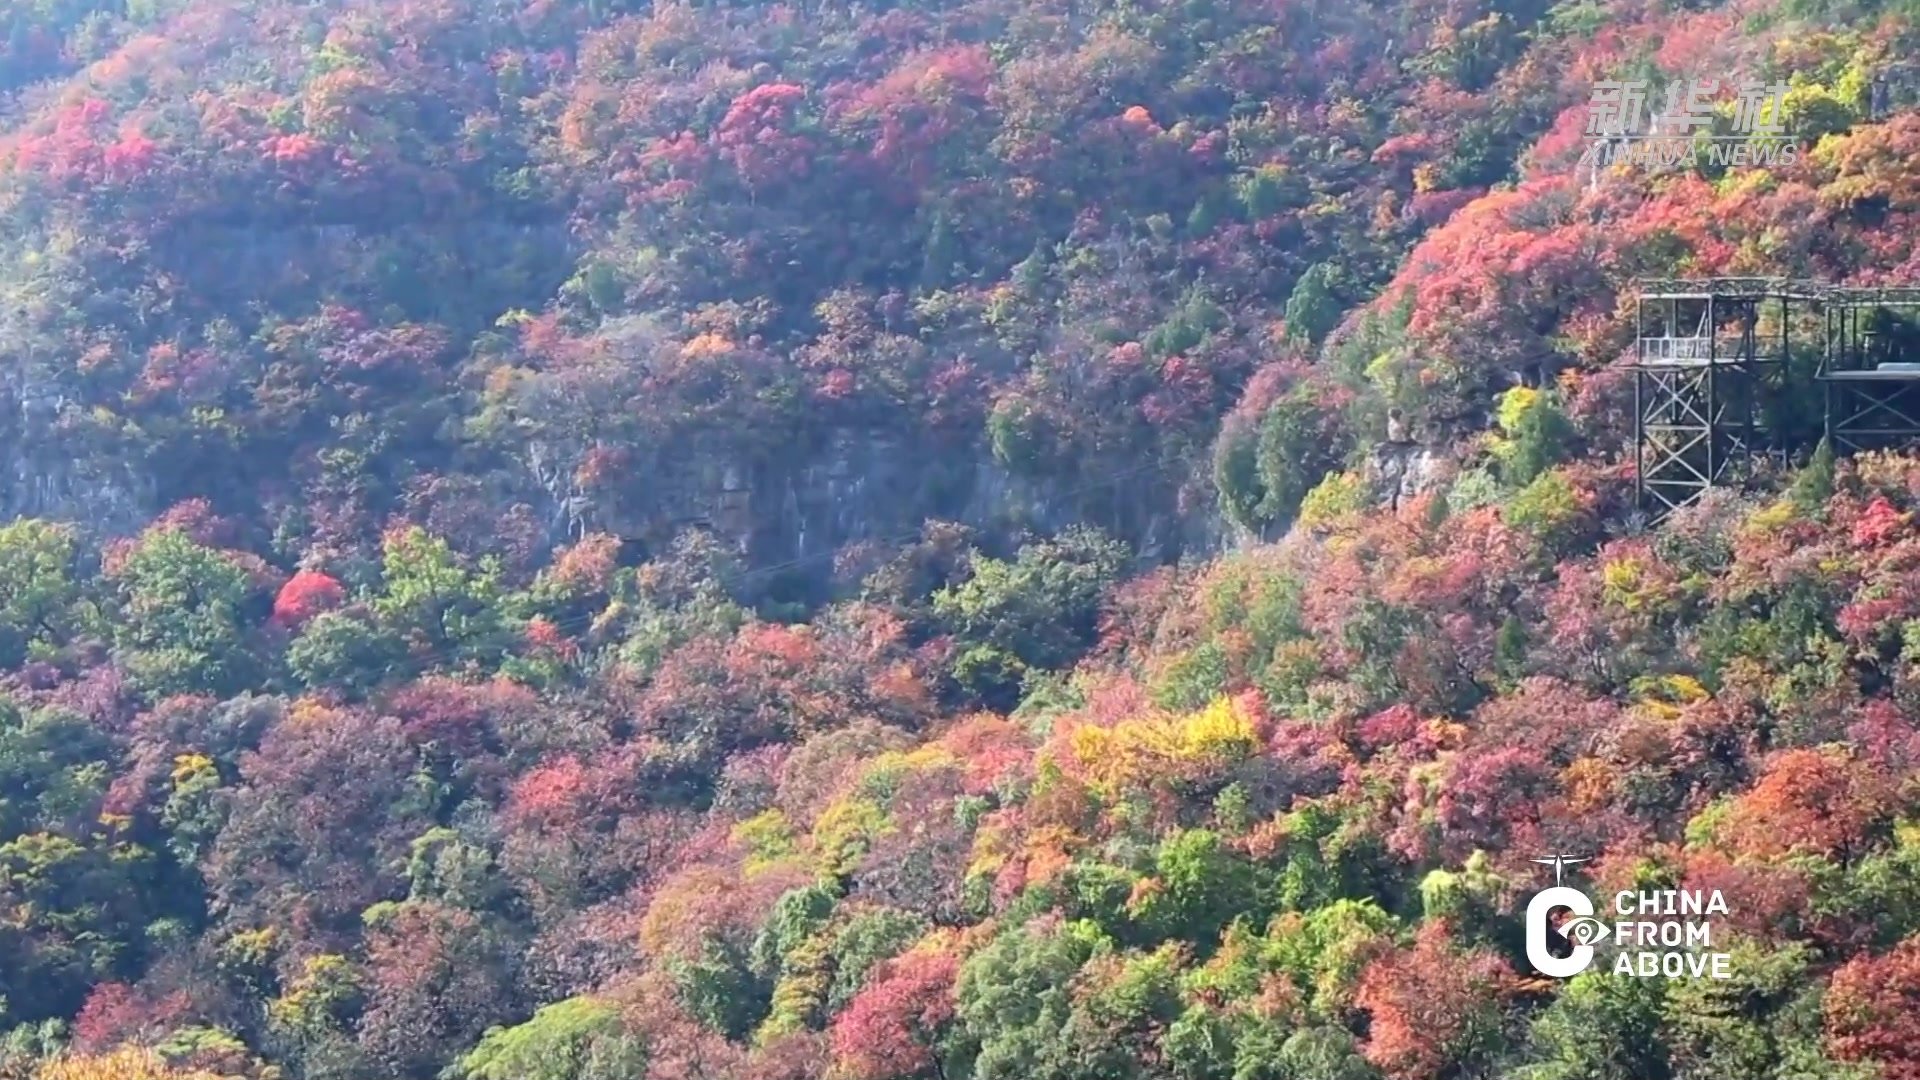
(857, 485)
(46, 469)
(790, 510)
(1399, 470)
(793, 512)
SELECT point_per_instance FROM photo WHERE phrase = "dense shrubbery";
(424, 738)
(1276, 823)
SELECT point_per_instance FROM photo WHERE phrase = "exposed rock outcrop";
(865, 484)
(1397, 471)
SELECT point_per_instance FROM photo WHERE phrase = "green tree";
(1601, 1027)
(1549, 510)
(1200, 886)
(183, 614)
(79, 898)
(50, 767)
(430, 593)
(1313, 308)
(40, 600)
(1468, 898)
(1122, 1006)
(1813, 486)
(345, 650)
(1015, 1000)
(1316, 1053)
(719, 988)
(1039, 610)
(1510, 648)
(448, 869)
(1730, 1027)
(581, 1038)
(311, 1019)
(867, 939)
(1189, 325)
(1537, 433)
(77, 912)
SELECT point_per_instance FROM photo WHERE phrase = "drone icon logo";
(1560, 863)
(1583, 931)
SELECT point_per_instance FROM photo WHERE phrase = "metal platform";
(1868, 371)
(1732, 287)
(1724, 372)
(1707, 357)
(1877, 375)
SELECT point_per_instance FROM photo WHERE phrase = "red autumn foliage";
(306, 594)
(1873, 1011)
(1491, 797)
(546, 639)
(871, 180)
(1431, 1005)
(919, 116)
(587, 566)
(888, 1030)
(1806, 801)
(1878, 523)
(1774, 897)
(679, 1046)
(321, 827)
(116, 1013)
(757, 135)
(197, 519)
(435, 980)
(547, 794)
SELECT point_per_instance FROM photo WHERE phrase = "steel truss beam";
(1872, 414)
(1697, 429)
(1703, 364)
(1719, 361)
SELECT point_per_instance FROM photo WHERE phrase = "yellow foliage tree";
(129, 1063)
(1135, 753)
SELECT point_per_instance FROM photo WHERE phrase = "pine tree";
(1313, 309)
(1510, 648)
(1437, 510)
(1814, 486)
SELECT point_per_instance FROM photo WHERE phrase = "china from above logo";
(1667, 930)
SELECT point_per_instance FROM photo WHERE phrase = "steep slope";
(587, 541)
(823, 274)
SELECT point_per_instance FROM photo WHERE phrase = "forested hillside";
(602, 541)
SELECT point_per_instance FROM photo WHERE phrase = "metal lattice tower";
(1712, 360)
(1870, 368)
